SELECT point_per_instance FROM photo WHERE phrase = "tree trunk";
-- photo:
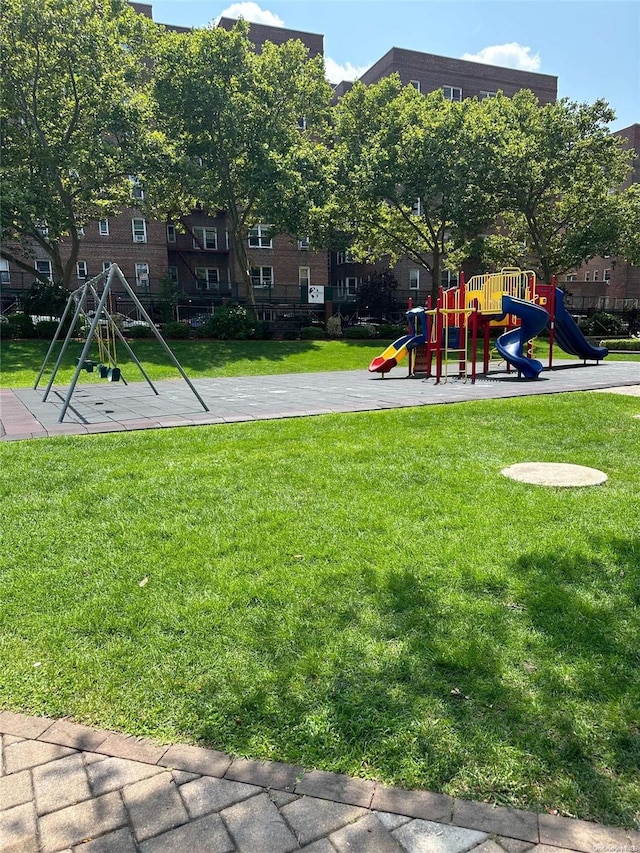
(242, 259)
(435, 278)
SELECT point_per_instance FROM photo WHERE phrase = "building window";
(415, 84)
(303, 243)
(136, 188)
(345, 257)
(587, 276)
(452, 93)
(207, 278)
(259, 237)
(44, 267)
(205, 238)
(414, 279)
(606, 276)
(106, 265)
(171, 233)
(139, 229)
(417, 208)
(4, 271)
(81, 269)
(80, 232)
(173, 275)
(304, 276)
(596, 275)
(571, 276)
(302, 123)
(142, 276)
(262, 276)
(42, 228)
(448, 278)
(103, 227)
(485, 95)
(347, 287)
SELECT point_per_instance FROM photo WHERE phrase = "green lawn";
(361, 593)
(20, 361)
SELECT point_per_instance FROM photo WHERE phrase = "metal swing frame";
(79, 298)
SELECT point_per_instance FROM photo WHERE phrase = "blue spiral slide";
(533, 320)
(569, 337)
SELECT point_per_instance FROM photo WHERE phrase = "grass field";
(361, 593)
(20, 361)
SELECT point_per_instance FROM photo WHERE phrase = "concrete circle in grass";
(555, 474)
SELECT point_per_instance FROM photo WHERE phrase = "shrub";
(175, 330)
(139, 332)
(360, 332)
(632, 344)
(312, 333)
(290, 335)
(229, 323)
(263, 331)
(334, 327)
(602, 324)
(391, 331)
(46, 329)
(19, 326)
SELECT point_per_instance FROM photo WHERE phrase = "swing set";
(102, 328)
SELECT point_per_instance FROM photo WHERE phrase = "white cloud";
(337, 73)
(511, 55)
(253, 13)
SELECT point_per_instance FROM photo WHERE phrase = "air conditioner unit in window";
(139, 238)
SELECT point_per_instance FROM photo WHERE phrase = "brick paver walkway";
(66, 787)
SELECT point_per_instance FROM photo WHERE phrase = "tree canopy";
(409, 174)
(503, 180)
(73, 114)
(244, 131)
(557, 170)
(95, 94)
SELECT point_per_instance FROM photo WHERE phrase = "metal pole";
(152, 325)
(87, 346)
(55, 338)
(78, 311)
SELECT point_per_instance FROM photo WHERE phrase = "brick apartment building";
(194, 257)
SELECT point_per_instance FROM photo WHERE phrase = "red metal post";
(552, 318)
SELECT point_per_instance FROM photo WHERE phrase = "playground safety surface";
(114, 406)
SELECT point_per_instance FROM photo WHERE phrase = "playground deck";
(110, 407)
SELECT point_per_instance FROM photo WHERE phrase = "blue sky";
(592, 46)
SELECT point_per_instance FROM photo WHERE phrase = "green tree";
(558, 171)
(244, 130)
(377, 294)
(409, 174)
(73, 114)
(629, 217)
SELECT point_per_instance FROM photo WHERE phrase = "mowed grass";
(20, 361)
(362, 593)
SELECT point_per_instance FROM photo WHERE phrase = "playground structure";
(464, 316)
(90, 311)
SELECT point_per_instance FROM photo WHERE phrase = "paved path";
(109, 407)
(65, 787)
